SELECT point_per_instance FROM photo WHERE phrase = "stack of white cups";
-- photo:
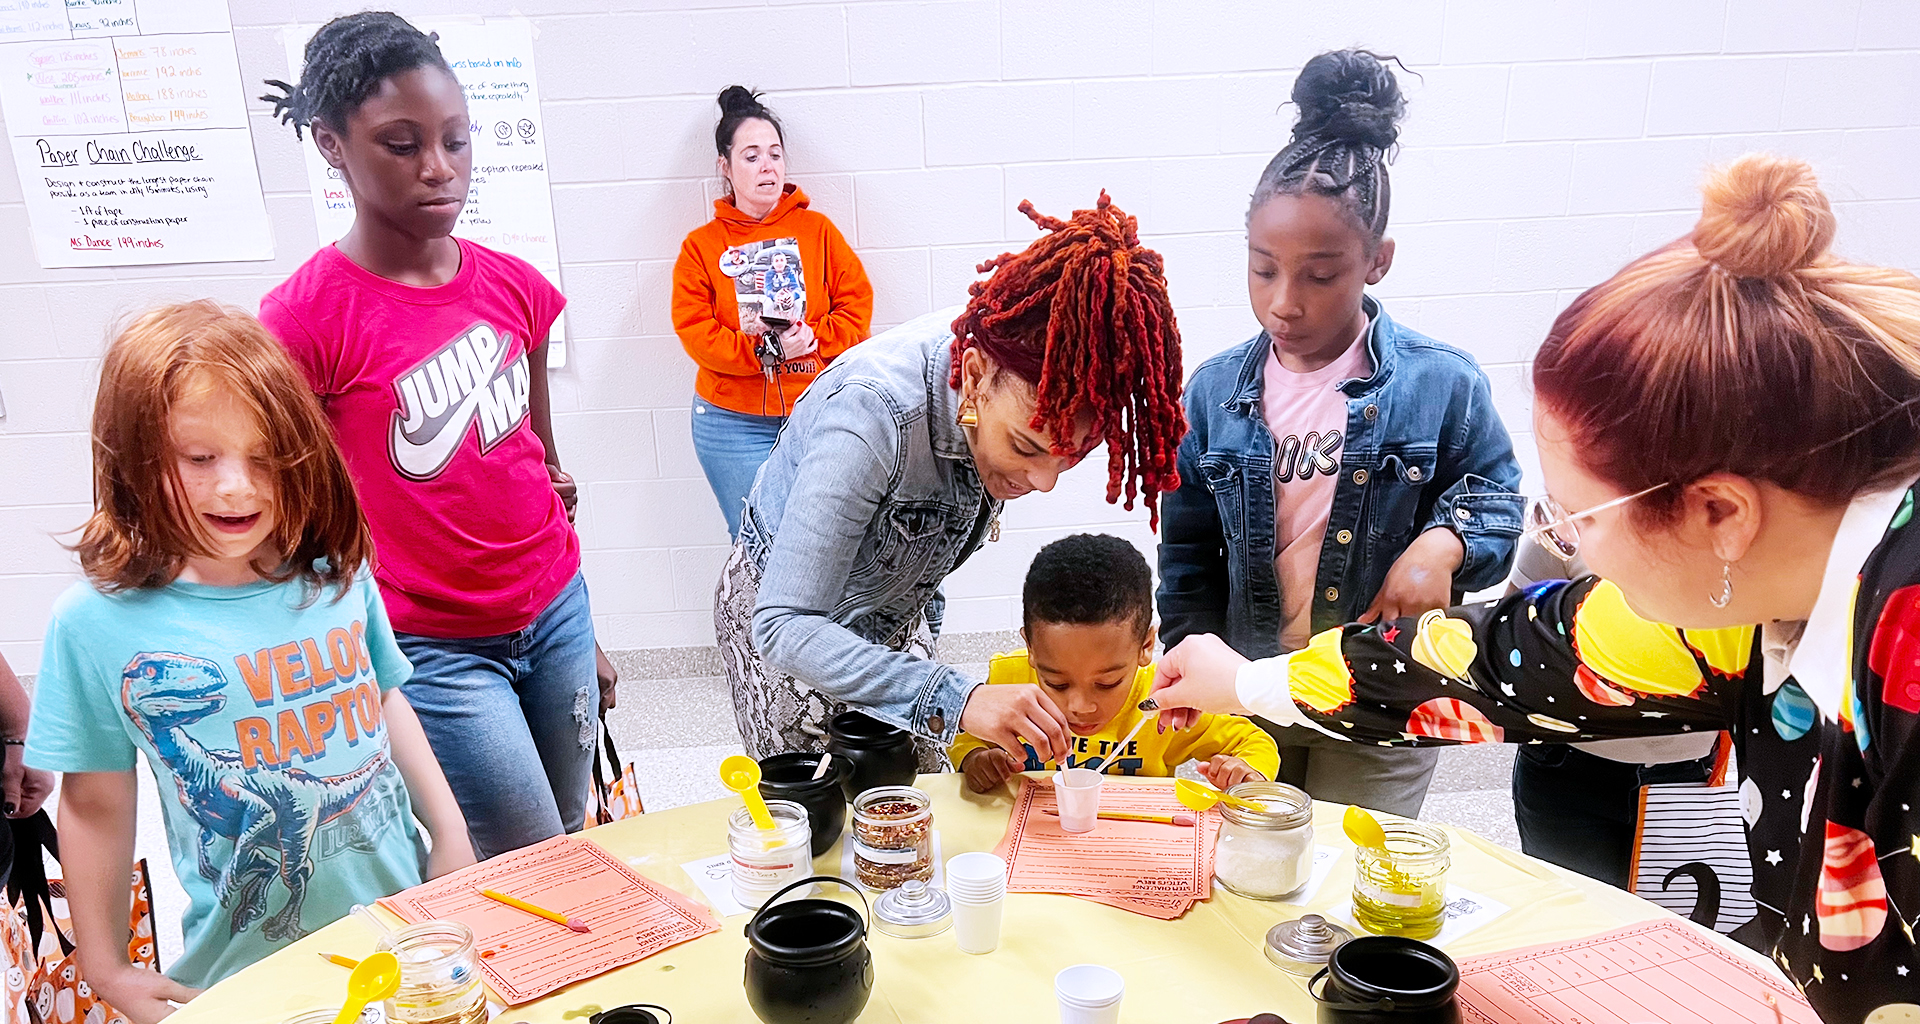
(977, 887)
(1089, 994)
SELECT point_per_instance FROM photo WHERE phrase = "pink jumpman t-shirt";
(429, 393)
(1307, 413)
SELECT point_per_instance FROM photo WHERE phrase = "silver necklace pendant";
(993, 529)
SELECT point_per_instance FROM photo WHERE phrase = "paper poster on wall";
(509, 205)
(129, 130)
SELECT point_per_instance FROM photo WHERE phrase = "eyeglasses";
(1555, 529)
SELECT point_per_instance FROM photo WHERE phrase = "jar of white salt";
(1267, 853)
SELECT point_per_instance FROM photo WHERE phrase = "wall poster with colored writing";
(509, 204)
(128, 126)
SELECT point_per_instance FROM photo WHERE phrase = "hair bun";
(738, 99)
(1350, 95)
(1764, 216)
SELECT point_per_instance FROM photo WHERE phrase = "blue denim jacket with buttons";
(1424, 447)
(869, 500)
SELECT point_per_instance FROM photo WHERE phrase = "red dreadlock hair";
(1083, 315)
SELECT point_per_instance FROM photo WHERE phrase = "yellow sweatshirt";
(1151, 753)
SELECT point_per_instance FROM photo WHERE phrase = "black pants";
(1578, 810)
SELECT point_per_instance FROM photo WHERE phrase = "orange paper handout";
(525, 957)
(1145, 867)
(1658, 970)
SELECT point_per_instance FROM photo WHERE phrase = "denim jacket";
(1424, 447)
(886, 502)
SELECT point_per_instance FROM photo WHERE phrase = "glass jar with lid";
(1267, 853)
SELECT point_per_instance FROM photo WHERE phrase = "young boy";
(1088, 624)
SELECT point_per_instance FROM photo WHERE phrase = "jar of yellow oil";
(439, 976)
(1401, 888)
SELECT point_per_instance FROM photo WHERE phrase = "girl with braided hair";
(429, 354)
(1338, 465)
(894, 468)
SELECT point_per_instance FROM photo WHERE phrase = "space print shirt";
(261, 722)
(1829, 749)
(429, 392)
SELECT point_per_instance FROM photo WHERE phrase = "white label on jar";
(873, 856)
(1391, 899)
(763, 874)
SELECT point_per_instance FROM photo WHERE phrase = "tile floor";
(676, 731)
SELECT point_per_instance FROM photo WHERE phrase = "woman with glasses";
(1734, 423)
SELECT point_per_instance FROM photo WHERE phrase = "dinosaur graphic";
(270, 816)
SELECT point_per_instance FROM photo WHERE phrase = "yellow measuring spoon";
(376, 979)
(742, 775)
(1364, 829)
(1202, 797)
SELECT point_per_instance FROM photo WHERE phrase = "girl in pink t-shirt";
(1338, 466)
(430, 355)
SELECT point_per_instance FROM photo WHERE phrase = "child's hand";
(143, 996)
(988, 767)
(450, 853)
(1421, 578)
(564, 486)
(1226, 771)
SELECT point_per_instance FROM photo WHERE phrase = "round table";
(1205, 967)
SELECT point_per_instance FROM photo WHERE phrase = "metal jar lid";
(1302, 947)
(913, 910)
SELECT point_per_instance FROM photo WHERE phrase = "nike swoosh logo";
(425, 459)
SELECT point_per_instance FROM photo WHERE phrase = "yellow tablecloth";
(1203, 968)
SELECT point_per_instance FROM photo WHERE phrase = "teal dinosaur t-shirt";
(261, 720)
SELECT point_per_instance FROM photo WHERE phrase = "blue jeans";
(731, 446)
(512, 720)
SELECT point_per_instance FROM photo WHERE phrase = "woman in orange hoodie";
(765, 295)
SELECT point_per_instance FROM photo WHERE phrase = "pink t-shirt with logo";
(1307, 414)
(428, 392)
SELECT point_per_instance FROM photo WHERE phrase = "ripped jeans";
(512, 720)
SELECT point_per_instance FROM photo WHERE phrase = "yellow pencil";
(340, 961)
(1164, 819)
(520, 904)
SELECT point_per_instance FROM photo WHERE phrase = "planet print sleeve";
(1558, 662)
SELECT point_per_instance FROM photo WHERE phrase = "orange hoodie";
(706, 312)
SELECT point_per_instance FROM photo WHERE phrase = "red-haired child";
(229, 631)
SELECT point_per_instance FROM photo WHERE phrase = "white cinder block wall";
(1547, 142)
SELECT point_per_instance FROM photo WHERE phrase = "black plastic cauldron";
(633, 1013)
(790, 777)
(882, 754)
(1387, 979)
(807, 961)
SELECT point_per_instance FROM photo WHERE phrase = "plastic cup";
(976, 876)
(976, 925)
(1089, 994)
(1077, 792)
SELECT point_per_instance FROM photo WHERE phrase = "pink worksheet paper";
(1662, 971)
(525, 957)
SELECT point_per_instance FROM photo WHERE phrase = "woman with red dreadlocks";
(894, 467)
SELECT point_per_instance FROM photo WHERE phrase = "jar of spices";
(439, 976)
(892, 837)
(1401, 888)
(1268, 853)
(767, 860)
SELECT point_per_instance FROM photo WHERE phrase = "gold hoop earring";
(1725, 596)
(967, 417)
